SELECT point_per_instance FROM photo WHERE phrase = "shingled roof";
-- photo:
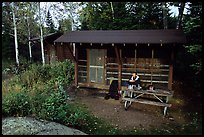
(50, 36)
(165, 36)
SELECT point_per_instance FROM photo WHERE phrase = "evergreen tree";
(49, 23)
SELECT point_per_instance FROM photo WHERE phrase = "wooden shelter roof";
(49, 37)
(165, 36)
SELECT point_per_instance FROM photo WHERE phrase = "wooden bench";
(154, 93)
(143, 101)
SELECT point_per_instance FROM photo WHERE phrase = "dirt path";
(138, 115)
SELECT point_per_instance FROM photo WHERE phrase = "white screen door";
(96, 65)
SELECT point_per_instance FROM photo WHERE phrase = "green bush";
(16, 104)
(55, 107)
(35, 84)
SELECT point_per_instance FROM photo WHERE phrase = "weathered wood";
(152, 64)
(82, 60)
(82, 66)
(117, 52)
(94, 85)
(170, 79)
(118, 56)
(147, 102)
(76, 66)
(158, 92)
(120, 70)
(74, 57)
(88, 64)
(135, 63)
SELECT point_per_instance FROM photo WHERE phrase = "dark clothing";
(137, 81)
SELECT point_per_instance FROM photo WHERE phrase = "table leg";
(165, 108)
(127, 104)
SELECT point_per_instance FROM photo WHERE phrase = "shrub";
(16, 104)
(55, 107)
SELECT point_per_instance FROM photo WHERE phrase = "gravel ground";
(137, 115)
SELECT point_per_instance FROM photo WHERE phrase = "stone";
(32, 126)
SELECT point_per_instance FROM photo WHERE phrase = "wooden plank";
(144, 74)
(94, 85)
(154, 81)
(147, 102)
(82, 60)
(82, 76)
(129, 65)
(82, 71)
(154, 65)
(82, 66)
(112, 64)
(158, 92)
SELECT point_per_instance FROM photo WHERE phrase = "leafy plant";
(16, 104)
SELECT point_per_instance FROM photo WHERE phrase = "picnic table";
(161, 98)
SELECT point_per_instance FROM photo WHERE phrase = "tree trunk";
(29, 43)
(180, 16)
(112, 10)
(72, 23)
(164, 10)
(41, 38)
(15, 34)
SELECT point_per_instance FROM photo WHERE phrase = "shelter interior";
(99, 64)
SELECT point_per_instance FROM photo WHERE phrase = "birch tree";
(15, 33)
(180, 16)
(164, 11)
(41, 37)
(112, 9)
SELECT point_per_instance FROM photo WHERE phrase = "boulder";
(32, 126)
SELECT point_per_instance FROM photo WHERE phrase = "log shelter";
(101, 56)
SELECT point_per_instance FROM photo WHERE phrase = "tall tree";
(27, 21)
(8, 50)
(49, 23)
(164, 10)
(41, 37)
(180, 16)
(15, 33)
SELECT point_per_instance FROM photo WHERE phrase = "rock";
(31, 126)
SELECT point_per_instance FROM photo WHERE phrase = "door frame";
(88, 66)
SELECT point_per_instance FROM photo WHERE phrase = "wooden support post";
(135, 59)
(118, 55)
(170, 79)
(76, 66)
(120, 70)
(71, 52)
(152, 64)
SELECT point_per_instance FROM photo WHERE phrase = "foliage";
(193, 30)
(50, 23)
(64, 25)
(125, 15)
(16, 104)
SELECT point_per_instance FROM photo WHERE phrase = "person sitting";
(134, 82)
